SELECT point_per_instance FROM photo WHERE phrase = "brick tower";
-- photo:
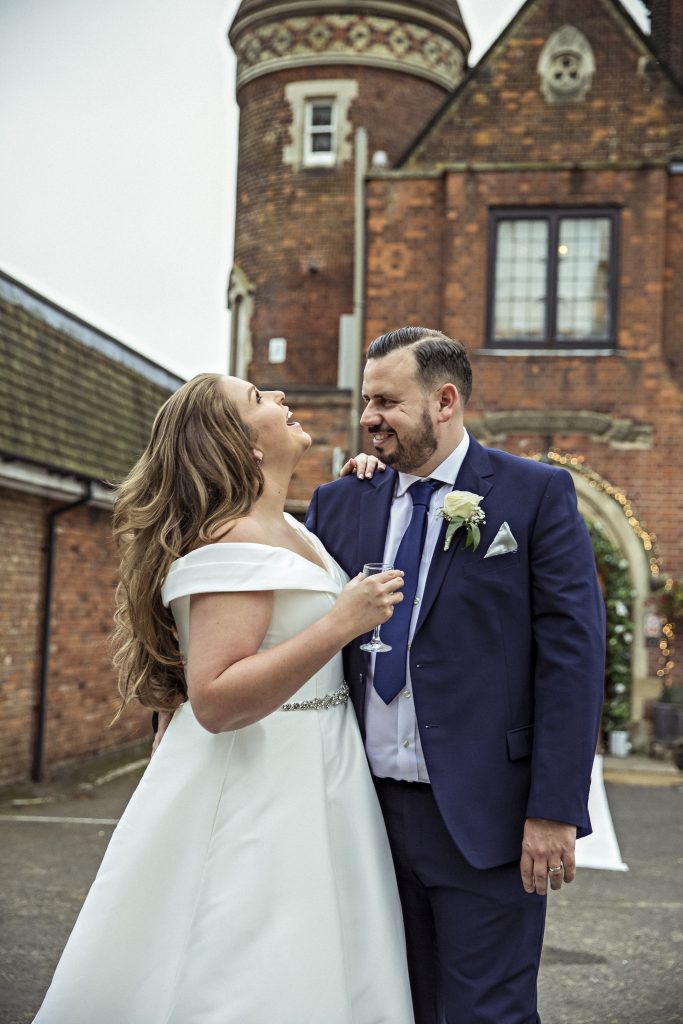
(309, 74)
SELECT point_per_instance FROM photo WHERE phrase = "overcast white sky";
(119, 133)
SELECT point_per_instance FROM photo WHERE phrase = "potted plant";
(618, 594)
(669, 716)
(616, 715)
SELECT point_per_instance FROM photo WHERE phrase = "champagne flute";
(375, 644)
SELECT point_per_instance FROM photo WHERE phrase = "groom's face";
(398, 414)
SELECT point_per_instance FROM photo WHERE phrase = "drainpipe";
(358, 280)
(39, 739)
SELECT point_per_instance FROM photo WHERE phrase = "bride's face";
(277, 432)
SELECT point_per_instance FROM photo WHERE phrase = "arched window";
(241, 306)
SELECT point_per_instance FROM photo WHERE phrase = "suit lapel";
(475, 475)
(375, 508)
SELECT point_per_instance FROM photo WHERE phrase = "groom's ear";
(449, 400)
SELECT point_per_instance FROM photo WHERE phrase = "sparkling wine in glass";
(375, 644)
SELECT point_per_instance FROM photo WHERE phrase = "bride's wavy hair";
(198, 473)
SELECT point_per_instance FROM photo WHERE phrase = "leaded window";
(553, 278)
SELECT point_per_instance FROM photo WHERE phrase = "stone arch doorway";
(603, 510)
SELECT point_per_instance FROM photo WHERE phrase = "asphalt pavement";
(613, 952)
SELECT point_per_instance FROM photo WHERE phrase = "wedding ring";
(553, 871)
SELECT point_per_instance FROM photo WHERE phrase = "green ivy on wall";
(613, 569)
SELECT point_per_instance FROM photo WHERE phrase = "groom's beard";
(413, 449)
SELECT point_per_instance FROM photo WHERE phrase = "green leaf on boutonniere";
(473, 535)
(453, 525)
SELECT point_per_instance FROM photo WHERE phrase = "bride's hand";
(368, 601)
(364, 466)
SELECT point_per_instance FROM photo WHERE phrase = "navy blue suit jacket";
(507, 661)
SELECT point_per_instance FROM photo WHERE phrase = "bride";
(249, 880)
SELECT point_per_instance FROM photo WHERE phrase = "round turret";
(309, 74)
(427, 39)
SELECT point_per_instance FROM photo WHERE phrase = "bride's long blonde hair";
(198, 473)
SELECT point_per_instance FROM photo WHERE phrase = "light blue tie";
(390, 667)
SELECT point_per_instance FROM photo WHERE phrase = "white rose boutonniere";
(461, 508)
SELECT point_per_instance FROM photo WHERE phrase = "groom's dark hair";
(439, 359)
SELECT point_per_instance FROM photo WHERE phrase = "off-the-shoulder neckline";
(253, 544)
(246, 544)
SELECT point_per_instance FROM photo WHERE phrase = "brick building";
(532, 207)
(76, 407)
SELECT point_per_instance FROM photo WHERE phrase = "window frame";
(553, 215)
(317, 158)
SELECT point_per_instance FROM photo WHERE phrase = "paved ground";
(614, 942)
(613, 952)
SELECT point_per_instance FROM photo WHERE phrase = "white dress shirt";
(392, 738)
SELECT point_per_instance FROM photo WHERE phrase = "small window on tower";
(320, 133)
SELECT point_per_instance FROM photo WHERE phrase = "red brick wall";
(287, 220)
(22, 528)
(641, 196)
(673, 278)
(326, 417)
(81, 695)
(405, 257)
(632, 111)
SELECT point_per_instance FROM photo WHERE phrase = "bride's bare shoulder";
(240, 531)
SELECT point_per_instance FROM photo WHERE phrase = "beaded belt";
(330, 700)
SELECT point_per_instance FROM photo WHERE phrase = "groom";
(480, 724)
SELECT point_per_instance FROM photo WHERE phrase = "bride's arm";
(232, 684)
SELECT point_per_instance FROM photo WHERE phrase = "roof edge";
(80, 330)
(45, 480)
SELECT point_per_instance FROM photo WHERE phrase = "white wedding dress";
(249, 880)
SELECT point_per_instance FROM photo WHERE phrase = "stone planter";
(668, 722)
(619, 743)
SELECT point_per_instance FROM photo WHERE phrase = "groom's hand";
(546, 845)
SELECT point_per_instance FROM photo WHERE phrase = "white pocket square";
(503, 543)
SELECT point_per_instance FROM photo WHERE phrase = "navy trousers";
(474, 937)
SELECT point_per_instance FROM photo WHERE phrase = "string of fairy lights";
(646, 537)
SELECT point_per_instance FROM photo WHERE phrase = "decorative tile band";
(348, 39)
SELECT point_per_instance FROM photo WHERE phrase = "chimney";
(667, 33)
